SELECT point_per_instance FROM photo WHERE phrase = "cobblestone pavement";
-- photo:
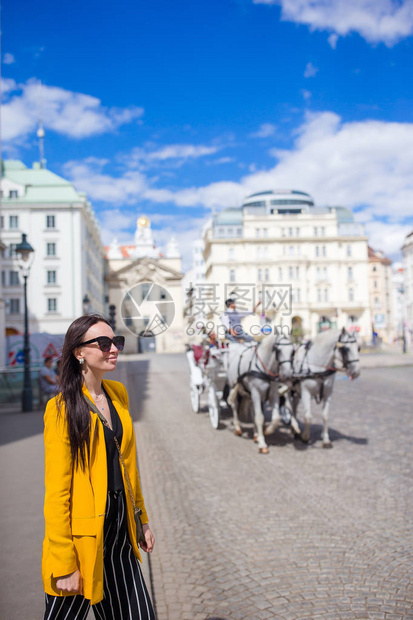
(299, 533)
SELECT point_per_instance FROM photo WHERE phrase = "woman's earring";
(81, 360)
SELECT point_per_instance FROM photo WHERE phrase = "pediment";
(145, 269)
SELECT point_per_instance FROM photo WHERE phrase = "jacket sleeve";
(138, 491)
(62, 558)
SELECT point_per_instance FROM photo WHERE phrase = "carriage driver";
(231, 320)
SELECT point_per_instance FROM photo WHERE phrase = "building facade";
(145, 288)
(319, 255)
(68, 260)
(381, 298)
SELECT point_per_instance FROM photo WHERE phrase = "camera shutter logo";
(147, 309)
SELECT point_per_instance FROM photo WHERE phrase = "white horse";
(255, 372)
(315, 366)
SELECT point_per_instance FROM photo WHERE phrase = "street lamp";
(112, 315)
(25, 250)
(86, 304)
(404, 339)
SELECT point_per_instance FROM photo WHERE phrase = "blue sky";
(176, 108)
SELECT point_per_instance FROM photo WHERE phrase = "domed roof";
(279, 197)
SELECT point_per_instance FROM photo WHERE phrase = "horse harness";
(330, 370)
(259, 374)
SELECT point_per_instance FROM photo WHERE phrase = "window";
(325, 273)
(3, 278)
(317, 250)
(323, 231)
(350, 273)
(297, 232)
(282, 232)
(280, 273)
(231, 254)
(51, 304)
(376, 301)
(232, 275)
(267, 275)
(290, 273)
(51, 277)
(14, 278)
(259, 275)
(257, 232)
(291, 250)
(315, 231)
(13, 193)
(375, 283)
(326, 294)
(290, 232)
(14, 306)
(350, 294)
(324, 250)
(319, 294)
(265, 232)
(374, 268)
(297, 273)
(348, 250)
(12, 250)
(259, 251)
(1, 221)
(298, 295)
(50, 221)
(51, 249)
(318, 273)
(13, 221)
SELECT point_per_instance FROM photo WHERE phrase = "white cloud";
(265, 131)
(72, 114)
(310, 70)
(387, 237)
(306, 94)
(361, 165)
(8, 59)
(332, 39)
(386, 21)
(176, 154)
(88, 176)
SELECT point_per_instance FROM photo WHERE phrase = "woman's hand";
(150, 540)
(70, 583)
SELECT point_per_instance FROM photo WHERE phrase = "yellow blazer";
(75, 501)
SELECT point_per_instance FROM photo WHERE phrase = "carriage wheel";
(195, 398)
(213, 407)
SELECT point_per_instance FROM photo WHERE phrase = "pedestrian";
(90, 549)
(48, 378)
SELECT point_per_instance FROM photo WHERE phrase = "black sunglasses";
(105, 343)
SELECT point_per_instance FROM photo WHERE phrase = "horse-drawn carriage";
(208, 367)
(260, 374)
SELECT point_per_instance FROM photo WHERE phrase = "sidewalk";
(388, 355)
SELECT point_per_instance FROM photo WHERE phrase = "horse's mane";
(323, 344)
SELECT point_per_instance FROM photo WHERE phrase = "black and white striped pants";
(125, 595)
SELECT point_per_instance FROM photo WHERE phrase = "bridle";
(344, 351)
(276, 346)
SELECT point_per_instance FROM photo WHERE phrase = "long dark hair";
(70, 385)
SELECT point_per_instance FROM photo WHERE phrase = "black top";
(115, 480)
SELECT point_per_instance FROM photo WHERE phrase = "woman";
(90, 551)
